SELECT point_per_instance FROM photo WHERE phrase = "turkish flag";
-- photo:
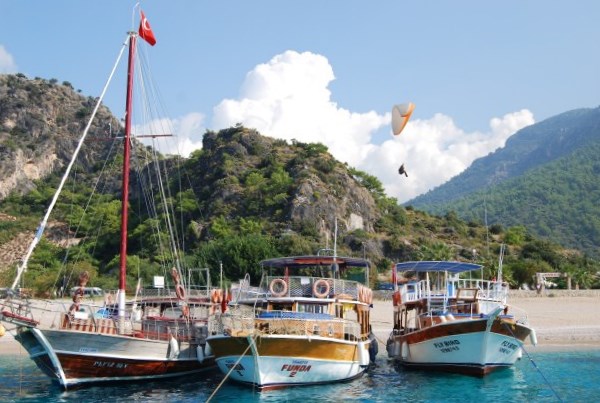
(145, 31)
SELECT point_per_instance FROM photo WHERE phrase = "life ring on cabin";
(278, 284)
(180, 291)
(317, 286)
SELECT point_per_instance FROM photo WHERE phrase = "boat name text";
(294, 369)
(447, 346)
(109, 364)
(507, 347)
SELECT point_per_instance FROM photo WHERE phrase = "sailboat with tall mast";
(141, 339)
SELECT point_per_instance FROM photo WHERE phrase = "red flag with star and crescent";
(145, 31)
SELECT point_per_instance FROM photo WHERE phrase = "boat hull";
(270, 362)
(471, 346)
(73, 358)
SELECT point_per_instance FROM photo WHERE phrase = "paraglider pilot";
(402, 171)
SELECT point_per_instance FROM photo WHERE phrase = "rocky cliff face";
(40, 124)
(290, 185)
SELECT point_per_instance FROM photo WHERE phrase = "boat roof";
(431, 266)
(314, 260)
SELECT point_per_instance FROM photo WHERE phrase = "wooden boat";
(446, 322)
(149, 337)
(304, 324)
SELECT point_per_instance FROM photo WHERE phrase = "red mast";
(126, 152)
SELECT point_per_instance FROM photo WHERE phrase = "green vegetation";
(243, 198)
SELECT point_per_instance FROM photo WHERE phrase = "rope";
(231, 370)
(534, 364)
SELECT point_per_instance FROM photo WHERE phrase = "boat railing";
(310, 287)
(488, 289)
(285, 323)
(414, 291)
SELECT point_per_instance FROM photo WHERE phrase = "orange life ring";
(276, 284)
(180, 291)
(215, 296)
(316, 286)
(185, 311)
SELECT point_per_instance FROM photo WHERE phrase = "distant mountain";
(545, 178)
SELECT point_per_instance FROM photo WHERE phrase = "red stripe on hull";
(447, 329)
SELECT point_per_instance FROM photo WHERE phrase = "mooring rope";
(534, 364)
(231, 370)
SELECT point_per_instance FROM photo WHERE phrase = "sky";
(331, 71)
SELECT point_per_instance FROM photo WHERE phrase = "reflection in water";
(573, 376)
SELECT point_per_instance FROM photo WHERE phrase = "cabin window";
(281, 307)
(312, 308)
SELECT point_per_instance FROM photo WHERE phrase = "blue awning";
(433, 266)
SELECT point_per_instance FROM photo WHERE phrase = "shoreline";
(561, 323)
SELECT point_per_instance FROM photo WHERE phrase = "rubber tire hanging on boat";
(316, 285)
(281, 282)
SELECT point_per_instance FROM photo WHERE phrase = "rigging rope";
(44, 221)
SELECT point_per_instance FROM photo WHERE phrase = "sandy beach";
(563, 322)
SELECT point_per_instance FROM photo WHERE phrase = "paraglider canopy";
(400, 115)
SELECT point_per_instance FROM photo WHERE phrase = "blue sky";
(330, 71)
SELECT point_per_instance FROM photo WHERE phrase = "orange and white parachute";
(400, 115)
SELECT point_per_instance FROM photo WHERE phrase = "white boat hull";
(274, 362)
(74, 358)
(459, 347)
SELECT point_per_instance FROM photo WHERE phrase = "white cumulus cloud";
(289, 98)
(187, 130)
(7, 62)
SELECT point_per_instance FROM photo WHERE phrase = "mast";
(125, 184)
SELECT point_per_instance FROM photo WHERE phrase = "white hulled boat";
(149, 337)
(304, 324)
(446, 322)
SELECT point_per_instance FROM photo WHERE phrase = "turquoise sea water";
(546, 377)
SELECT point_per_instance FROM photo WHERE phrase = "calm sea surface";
(545, 376)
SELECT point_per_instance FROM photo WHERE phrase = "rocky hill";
(40, 124)
(246, 197)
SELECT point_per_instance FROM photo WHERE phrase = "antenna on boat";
(335, 239)
(500, 258)
(335, 265)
